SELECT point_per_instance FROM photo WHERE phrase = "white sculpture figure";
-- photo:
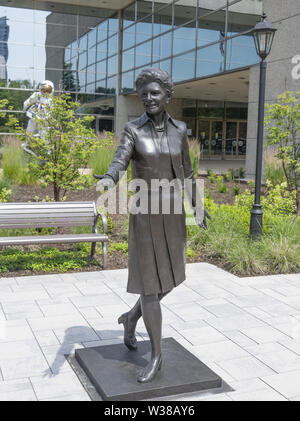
(35, 109)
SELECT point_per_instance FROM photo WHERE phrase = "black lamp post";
(263, 34)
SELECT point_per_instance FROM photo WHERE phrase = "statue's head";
(47, 87)
(155, 88)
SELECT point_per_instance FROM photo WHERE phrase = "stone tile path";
(245, 329)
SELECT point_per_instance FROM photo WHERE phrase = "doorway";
(222, 139)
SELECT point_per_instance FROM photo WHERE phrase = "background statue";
(157, 146)
(35, 107)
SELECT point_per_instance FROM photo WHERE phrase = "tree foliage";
(283, 125)
(66, 147)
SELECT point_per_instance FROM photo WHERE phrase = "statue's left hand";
(203, 223)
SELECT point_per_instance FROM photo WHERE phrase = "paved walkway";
(246, 329)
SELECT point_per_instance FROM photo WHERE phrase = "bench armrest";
(104, 223)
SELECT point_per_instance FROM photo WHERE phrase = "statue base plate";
(113, 370)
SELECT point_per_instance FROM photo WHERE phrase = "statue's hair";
(153, 74)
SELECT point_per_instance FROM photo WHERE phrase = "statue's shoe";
(129, 339)
(149, 372)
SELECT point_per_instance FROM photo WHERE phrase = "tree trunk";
(56, 191)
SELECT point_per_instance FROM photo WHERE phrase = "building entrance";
(222, 139)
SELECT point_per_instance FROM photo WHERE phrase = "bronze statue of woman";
(157, 146)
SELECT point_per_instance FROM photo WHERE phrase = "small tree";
(66, 145)
(283, 125)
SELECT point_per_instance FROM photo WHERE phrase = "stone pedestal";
(113, 370)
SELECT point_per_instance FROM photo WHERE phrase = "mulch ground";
(116, 259)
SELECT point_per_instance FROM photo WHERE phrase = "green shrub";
(101, 159)
(45, 260)
(236, 190)
(122, 247)
(222, 188)
(227, 237)
(15, 165)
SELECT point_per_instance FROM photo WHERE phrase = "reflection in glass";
(113, 45)
(129, 15)
(231, 138)
(112, 85)
(183, 14)
(101, 69)
(204, 137)
(143, 54)
(162, 19)
(165, 65)
(112, 66)
(216, 142)
(210, 60)
(128, 37)
(128, 60)
(143, 30)
(184, 39)
(101, 86)
(211, 27)
(162, 47)
(91, 56)
(127, 82)
(242, 140)
(184, 67)
(241, 52)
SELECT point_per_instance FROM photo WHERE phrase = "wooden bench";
(53, 214)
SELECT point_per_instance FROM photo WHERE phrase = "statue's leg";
(130, 320)
(152, 317)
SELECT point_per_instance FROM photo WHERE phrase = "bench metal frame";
(53, 214)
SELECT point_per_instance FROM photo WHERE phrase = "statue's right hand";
(105, 183)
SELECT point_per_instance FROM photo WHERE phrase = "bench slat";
(32, 215)
(53, 239)
(44, 224)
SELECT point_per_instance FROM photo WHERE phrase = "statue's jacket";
(156, 242)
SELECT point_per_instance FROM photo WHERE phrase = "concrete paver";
(245, 329)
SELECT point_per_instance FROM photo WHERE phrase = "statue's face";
(154, 98)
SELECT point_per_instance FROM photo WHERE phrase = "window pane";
(101, 86)
(91, 56)
(243, 17)
(82, 61)
(101, 70)
(144, 8)
(165, 65)
(211, 27)
(184, 39)
(241, 52)
(102, 51)
(113, 25)
(210, 60)
(184, 67)
(129, 37)
(129, 15)
(143, 30)
(112, 66)
(183, 14)
(128, 60)
(102, 30)
(127, 82)
(113, 45)
(162, 20)
(162, 46)
(112, 85)
(143, 54)
(92, 38)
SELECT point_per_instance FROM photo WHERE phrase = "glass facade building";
(96, 53)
